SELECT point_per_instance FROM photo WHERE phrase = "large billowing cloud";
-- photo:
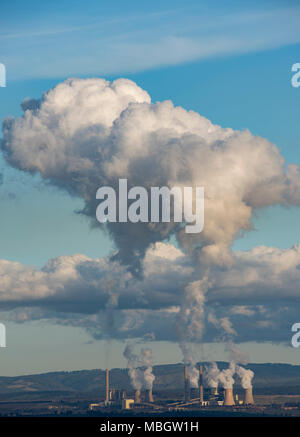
(86, 133)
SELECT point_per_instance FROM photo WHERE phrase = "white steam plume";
(146, 360)
(246, 376)
(86, 133)
(141, 377)
(211, 375)
(190, 324)
(228, 334)
(135, 374)
(226, 376)
(235, 354)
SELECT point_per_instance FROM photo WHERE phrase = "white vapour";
(228, 334)
(246, 376)
(140, 377)
(135, 374)
(235, 354)
(86, 133)
(146, 360)
(211, 375)
(190, 324)
(225, 377)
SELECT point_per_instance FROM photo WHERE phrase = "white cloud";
(123, 44)
(88, 133)
(76, 291)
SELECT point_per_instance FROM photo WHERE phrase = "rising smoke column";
(140, 377)
(190, 324)
(225, 376)
(235, 354)
(146, 360)
(211, 375)
(135, 374)
(246, 376)
(228, 333)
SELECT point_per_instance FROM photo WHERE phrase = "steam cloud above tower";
(87, 133)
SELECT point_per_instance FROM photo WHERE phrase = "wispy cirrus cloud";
(130, 43)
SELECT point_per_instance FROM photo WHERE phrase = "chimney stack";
(200, 384)
(149, 396)
(186, 385)
(228, 400)
(248, 398)
(137, 396)
(107, 386)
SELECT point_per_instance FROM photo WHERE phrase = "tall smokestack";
(228, 400)
(200, 384)
(248, 399)
(186, 385)
(107, 385)
(149, 396)
(137, 396)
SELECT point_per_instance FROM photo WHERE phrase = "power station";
(193, 397)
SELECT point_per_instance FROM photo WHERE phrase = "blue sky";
(232, 64)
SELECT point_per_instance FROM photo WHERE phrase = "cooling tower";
(248, 399)
(228, 399)
(186, 385)
(137, 396)
(149, 396)
(200, 384)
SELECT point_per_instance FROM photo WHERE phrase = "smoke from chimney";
(246, 376)
(226, 376)
(141, 377)
(135, 374)
(211, 374)
(146, 360)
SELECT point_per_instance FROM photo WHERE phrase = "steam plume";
(226, 376)
(246, 376)
(141, 377)
(211, 375)
(86, 133)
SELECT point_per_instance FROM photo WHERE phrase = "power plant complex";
(208, 388)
